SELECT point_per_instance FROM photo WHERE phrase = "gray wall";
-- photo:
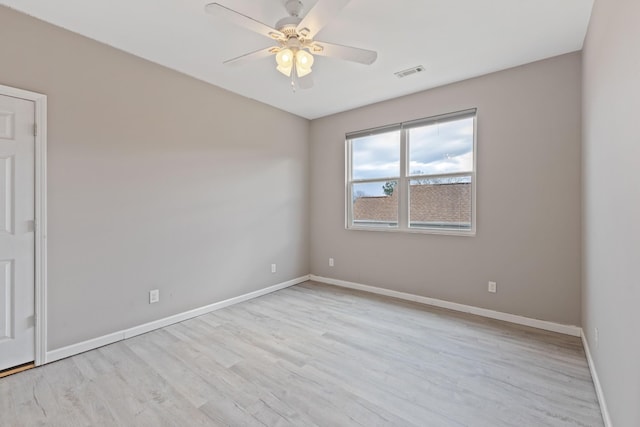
(528, 198)
(156, 180)
(611, 285)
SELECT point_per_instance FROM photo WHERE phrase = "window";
(417, 176)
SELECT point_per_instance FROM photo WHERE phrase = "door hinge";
(35, 129)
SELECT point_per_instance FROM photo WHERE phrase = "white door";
(17, 180)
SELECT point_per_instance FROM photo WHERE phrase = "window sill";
(443, 232)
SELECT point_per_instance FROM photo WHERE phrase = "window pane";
(441, 147)
(375, 204)
(440, 203)
(376, 156)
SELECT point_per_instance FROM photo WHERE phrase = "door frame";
(40, 229)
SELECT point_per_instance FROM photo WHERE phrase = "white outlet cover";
(154, 296)
(493, 287)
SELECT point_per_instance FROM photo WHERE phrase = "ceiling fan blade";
(319, 16)
(258, 54)
(243, 21)
(348, 53)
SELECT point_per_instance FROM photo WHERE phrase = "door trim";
(40, 232)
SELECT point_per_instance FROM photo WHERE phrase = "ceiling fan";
(294, 36)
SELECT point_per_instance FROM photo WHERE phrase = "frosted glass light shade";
(304, 61)
(284, 59)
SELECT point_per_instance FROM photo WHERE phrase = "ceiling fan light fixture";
(304, 62)
(284, 59)
(294, 36)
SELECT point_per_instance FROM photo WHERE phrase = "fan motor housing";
(288, 25)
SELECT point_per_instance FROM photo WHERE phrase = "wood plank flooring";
(316, 355)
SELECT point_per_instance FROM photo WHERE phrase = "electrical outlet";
(273, 268)
(330, 262)
(596, 337)
(493, 287)
(154, 296)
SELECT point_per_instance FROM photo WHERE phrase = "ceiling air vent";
(409, 71)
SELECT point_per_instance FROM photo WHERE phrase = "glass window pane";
(375, 204)
(440, 203)
(376, 156)
(439, 148)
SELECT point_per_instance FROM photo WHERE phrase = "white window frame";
(404, 179)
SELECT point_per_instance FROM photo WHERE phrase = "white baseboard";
(81, 347)
(492, 314)
(596, 382)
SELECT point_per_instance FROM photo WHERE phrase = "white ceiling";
(453, 39)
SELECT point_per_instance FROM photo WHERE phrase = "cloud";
(442, 147)
(376, 156)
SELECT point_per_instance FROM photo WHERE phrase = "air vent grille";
(409, 71)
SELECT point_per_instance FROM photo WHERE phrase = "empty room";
(319, 213)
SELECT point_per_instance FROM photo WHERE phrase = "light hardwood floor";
(316, 355)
